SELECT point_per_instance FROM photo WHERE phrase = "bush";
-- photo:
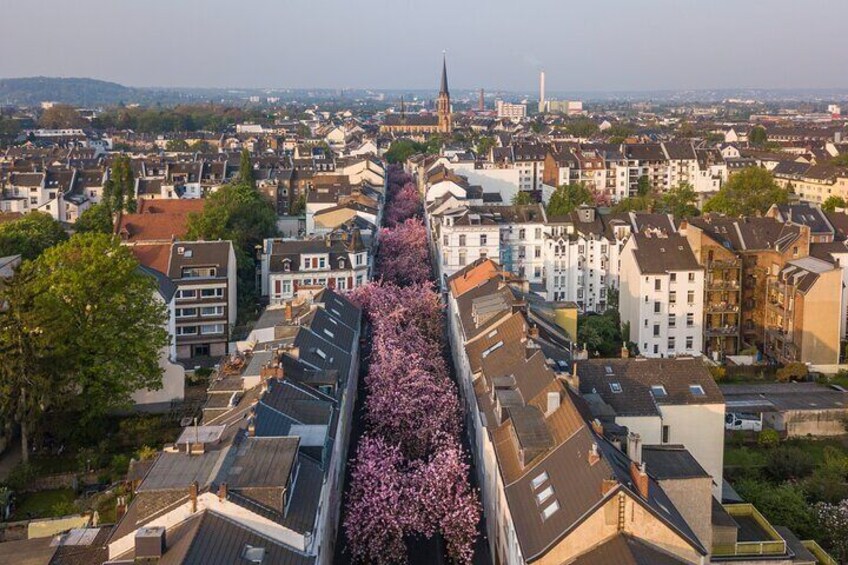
(768, 438)
(785, 505)
(788, 463)
(718, 373)
(796, 371)
(63, 508)
(21, 476)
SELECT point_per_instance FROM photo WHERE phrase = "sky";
(598, 45)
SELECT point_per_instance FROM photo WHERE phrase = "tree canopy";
(96, 219)
(522, 197)
(30, 235)
(757, 136)
(402, 149)
(61, 116)
(832, 203)
(749, 192)
(119, 190)
(246, 174)
(566, 198)
(679, 201)
(83, 330)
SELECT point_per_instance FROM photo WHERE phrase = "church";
(417, 124)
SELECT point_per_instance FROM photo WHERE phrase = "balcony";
(723, 284)
(723, 264)
(755, 536)
(722, 331)
(722, 307)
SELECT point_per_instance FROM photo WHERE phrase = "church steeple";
(444, 89)
(443, 106)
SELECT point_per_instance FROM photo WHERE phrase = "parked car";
(745, 422)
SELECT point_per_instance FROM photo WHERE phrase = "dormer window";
(659, 391)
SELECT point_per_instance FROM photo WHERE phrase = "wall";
(700, 428)
(693, 499)
(822, 308)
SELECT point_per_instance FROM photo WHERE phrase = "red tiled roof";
(156, 256)
(158, 220)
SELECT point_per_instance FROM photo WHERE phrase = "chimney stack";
(639, 476)
(192, 495)
(625, 352)
(533, 331)
(594, 454)
(598, 427)
(289, 311)
(542, 91)
(222, 492)
(553, 403)
(634, 447)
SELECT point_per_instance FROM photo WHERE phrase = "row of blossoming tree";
(410, 473)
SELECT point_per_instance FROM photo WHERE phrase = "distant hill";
(32, 91)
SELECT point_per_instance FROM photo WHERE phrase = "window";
(658, 391)
(543, 496)
(186, 330)
(462, 241)
(656, 349)
(690, 297)
(287, 287)
(657, 307)
(690, 320)
(697, 390)
(212, 293)
(341, 283)
(657, 284)
(550, 509)
(521, 233)
(209, 311)
(539, 479)
(207, 329)
(689, 342)
(537, 251)
(538, 233)
(672, 321)
(656, 330)
(615, 387)
(691, 277)
(483, 239)
(189, 293)
(446, 240)
(666, 434)
(186, 312)
(673, 277)
(321, 262)
(198, 272)
(360, 259)
(671, 344)
(672, 297)
(462, 258)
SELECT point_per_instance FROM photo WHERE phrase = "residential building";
(661, 296)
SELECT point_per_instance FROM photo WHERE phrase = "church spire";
(444, 89)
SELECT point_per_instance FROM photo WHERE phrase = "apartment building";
(661, 296)
(554, 489)
(339, 261)
(803, 312)
(510, 111)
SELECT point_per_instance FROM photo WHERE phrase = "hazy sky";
(496, 44)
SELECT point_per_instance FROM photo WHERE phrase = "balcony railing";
(722, 284)
(724, 330)
(719, 307)
(772, 544)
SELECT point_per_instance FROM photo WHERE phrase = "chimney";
(289, 311)
(594, 454)
(634, 447)
(222, 492)
(553, 403)
(150, 543)
(192, 495)
(251, 428)
(639, 476)
(607, 485)
(533, 331)
(625, 352)
(120, 508)
(574, 379)
(598, 427)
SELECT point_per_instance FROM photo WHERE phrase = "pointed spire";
(444, 89)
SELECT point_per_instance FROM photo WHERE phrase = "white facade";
(663, 309)
(511, 111)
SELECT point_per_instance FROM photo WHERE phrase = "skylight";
(697, 390)
(329, 333)
(615, 387)
(539, 479)
(608, 369)
(544, 495)
(321, 354)
(658, 391)
(550, 509)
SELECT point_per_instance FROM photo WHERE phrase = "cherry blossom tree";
(403, 257)
(405, 204)
(834, 520)
(375, 523)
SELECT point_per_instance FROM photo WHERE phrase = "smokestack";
(481, 105)
(542, 91)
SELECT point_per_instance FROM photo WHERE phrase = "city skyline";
(608, 48)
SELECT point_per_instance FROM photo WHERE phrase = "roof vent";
(150, 543)
(253, 554)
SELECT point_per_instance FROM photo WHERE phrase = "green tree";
(176, 145)
(298, 205)
(634, 204)
(246, 174)
(832, 203)
(30, 235)
(784, 505)
(241, 214)
(601, 334)
(643, 186)
(522, 198)
(484, 144)
(680, 201)
(96, 219)
(109, 321)
(119, 189)
(757, 136)
(840, 160)
(566, 198)
(403, 149)
(749, 192)
(61, 116)
(581, 127)
(33, 371)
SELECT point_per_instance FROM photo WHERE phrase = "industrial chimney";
(542, 91)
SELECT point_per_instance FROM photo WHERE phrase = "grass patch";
(44, 504)
(744, 457)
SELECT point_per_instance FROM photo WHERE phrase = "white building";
(510, 110)
(662, 295)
